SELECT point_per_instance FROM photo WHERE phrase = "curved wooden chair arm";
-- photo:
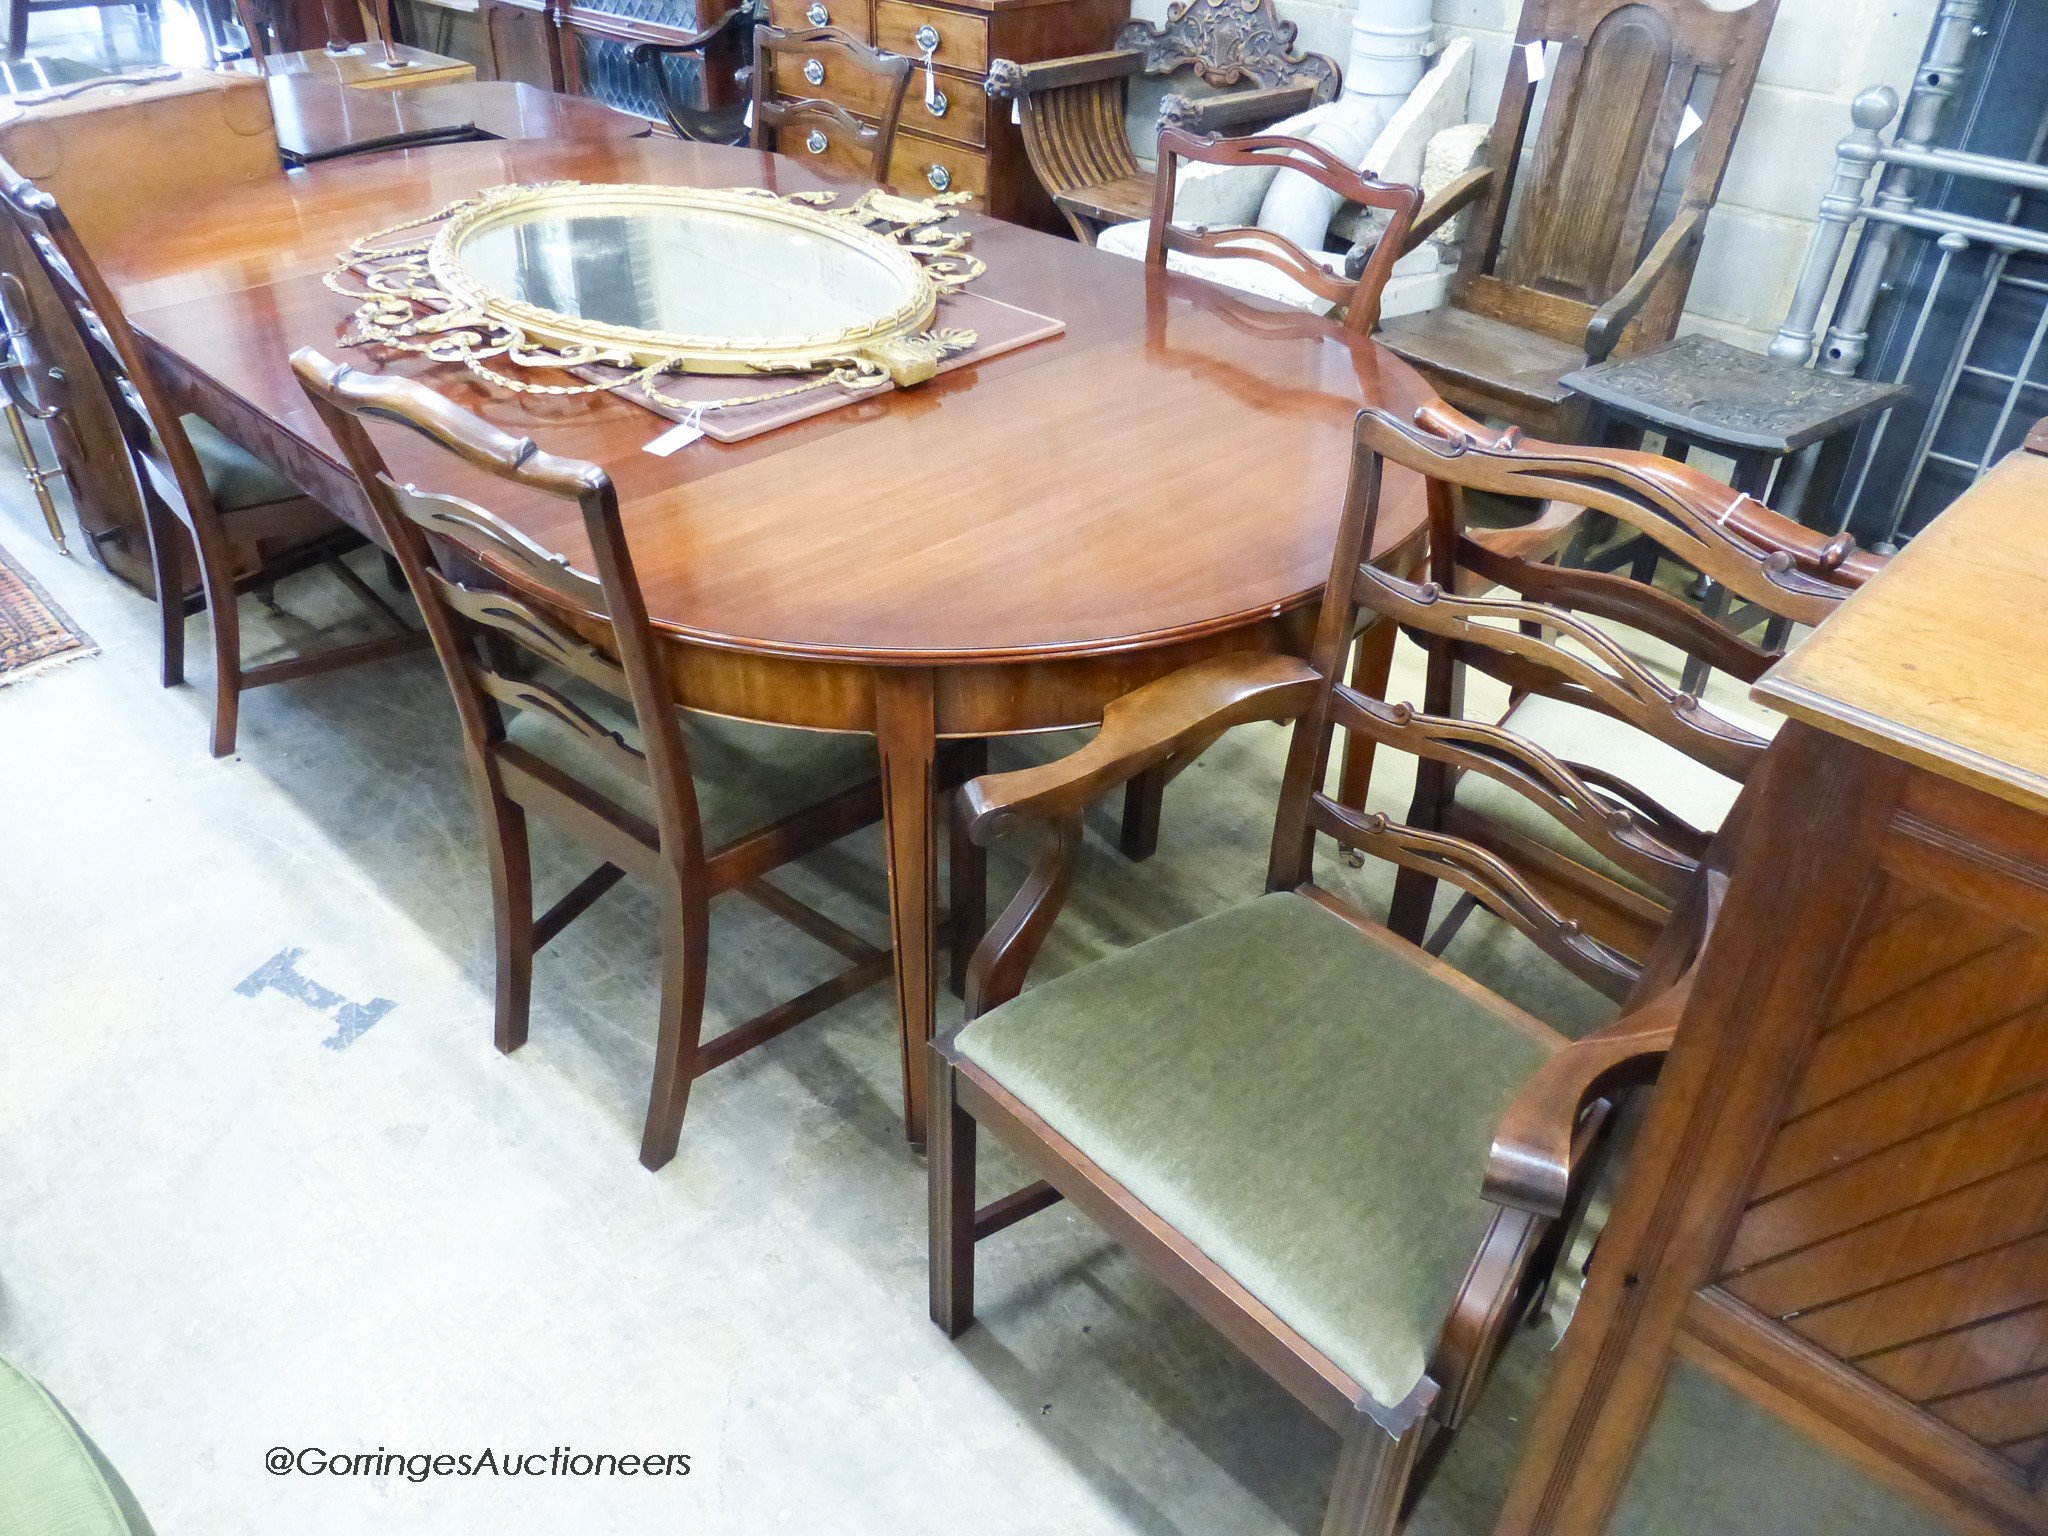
(1603, 331)
(1448, 203)
(1536, 1144)
(1010, 81)
(698, 124)
(1144, 728)
(1235, 109)
(1538, 539)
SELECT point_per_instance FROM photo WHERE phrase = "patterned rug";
(34, 632)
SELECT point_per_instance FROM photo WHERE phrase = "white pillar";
(1388, 40)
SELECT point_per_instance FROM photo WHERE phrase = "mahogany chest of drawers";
(951, 137)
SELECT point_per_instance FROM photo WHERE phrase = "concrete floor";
(232, 1222)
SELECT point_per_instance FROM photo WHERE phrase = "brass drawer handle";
(928, 38)
(939, 177)
(817, 15)
(938, 104)
(814, 71)
(816, 142)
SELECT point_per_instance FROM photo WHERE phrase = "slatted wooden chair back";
(1358, 298)
(1544, 630)
(1634, 89)
(818, 132)
(448, 545)
(159, 448)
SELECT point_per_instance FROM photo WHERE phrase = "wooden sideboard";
(959, 140)
(1822, 1302)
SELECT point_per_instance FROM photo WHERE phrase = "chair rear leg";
(950, 1155)
(224, 618)
(1372, 1477)
(512, 915)
(166, 538)
(685, 953)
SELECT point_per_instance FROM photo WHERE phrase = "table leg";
(905, 735)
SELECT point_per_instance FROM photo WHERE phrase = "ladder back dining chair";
(585, 733)
(1342, 1153)
(824, 134)
(202, 495)
(1651, 752)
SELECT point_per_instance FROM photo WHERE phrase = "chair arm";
(1143, 728)
(1010, 81)
(1447, 205)
(1603, 332)
(1235, 109)
(1536, 1142)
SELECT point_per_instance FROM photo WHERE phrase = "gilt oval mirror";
(720, 281)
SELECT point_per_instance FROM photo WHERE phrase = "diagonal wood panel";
(1899, 1217)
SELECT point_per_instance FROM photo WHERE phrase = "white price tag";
(1016, 114)
(679, 436)
(1532, 60)
(748, 120)
(1689, 125)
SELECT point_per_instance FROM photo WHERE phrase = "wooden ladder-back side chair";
(722, 52)
(1072, 111)
(1649, 755)
(248, 527)
(591, 739)
(823, 133)
(1589, 221)
(1359, 298)
(1344, 1154)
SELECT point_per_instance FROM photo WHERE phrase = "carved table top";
(1716, 394)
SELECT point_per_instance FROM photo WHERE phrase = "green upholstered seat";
(746, 775)
(1691, 790)
(53, 1479)
(236, 477)
(1309, 1106)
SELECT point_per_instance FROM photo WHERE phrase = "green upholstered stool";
(53, 1479)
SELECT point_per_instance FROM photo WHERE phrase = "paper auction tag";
(679, 436)
(1689, 125)
(1532, 60)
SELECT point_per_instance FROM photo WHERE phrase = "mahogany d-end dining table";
(1007, 548)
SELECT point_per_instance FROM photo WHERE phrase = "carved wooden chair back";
(1231, 43)
(1642, 103)
(1359, 299)
(819, 132)
(1560, 634)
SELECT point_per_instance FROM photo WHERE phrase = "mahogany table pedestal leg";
(906, 738)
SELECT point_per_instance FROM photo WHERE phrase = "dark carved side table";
(1788, 429)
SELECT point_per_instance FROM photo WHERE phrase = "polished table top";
(318, 116)
(1934, 661)
(1172, 466)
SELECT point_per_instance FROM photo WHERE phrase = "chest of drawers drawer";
(960, 111)
(801, 15)
(832, 79)
(919, 166)
(957, 39)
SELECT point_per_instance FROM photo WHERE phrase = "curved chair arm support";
(1536, 1144)
(1447, 205)
(1010, 81)
(1144, 728)
(704, 126)
(1235, 109)
(1681, 239)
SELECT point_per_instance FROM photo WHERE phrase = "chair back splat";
(1360, 299)
(568, 711)
(820, 132)
(1545, 632)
